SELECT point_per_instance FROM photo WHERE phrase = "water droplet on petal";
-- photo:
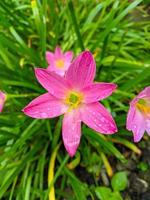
(103, 119)
(134, 127)
(44, 115)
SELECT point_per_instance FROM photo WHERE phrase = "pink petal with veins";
(98, 91)
(98, 118)
(82, 71)
(71, 132)
(45, 106)
(53, 83)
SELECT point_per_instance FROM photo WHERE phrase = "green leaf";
(78, 189)
(115, 196)
(106, 145)
(119, 181)
(103, 193)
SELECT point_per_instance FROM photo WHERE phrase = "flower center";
(74, 99)
(143, 106)
(60, 63)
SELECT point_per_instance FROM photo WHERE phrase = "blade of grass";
(75, 24)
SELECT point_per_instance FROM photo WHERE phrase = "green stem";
(63, 163)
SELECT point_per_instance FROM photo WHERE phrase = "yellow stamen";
(73, 99)
(97, 50)
(60, 63)
(143, 106)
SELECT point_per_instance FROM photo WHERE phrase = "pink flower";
(76, 96)
(59, 62)
(2, 100)
(138, 119)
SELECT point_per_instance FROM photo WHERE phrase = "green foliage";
(143, 166)
(119, 181)
(120, 40)
(105, 193)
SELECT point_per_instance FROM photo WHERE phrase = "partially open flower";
(59, 62)
(2, 100)
(138, 119)
(76, 96)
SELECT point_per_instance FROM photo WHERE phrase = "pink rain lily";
(2, 100)
(138, 119)
(76, 96)
(59, 62)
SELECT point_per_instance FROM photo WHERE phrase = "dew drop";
(43, 115)
(36, 112)
(112, 125)
(134, 127)
(103, 119)
(52, 92)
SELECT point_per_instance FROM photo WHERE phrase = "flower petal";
(130, 116)
(98, 118)
(58, 52)
(68, 56)
(136, 123)
(82, 71)
(49, 57)
(45, 106)
(53, 83)
(71, 132)
(98, 91)
(148, 126)
(144, 93)
(2, 100)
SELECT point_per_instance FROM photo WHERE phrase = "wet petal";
(98, 91)
(136, 123)
(82, 71)
(98, 118)
(45, 106)
(71, 132)
(53, 83)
